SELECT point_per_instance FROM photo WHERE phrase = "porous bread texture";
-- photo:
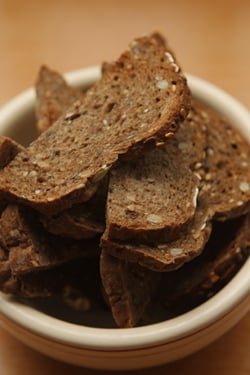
(225, 175)
(152, 198)
(83, 220)
(129, 289)
(224, 193)
(137, 104)
(8, 150)
(169, 255)
(53, 97)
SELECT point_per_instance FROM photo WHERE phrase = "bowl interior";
(53, 318)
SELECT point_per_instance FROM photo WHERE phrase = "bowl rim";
(170, 330)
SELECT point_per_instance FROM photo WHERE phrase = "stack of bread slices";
(133, 195)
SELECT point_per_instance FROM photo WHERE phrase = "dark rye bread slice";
(153, 197)
(137, 104)
(226, 251)
(129, 289)
(8, 150)
(84, 220)
(30, 247)
(225, 174)
(54, 97)
(165, 256)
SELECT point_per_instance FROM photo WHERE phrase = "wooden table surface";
(211, 40)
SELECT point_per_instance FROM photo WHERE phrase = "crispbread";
(225, 252)
(225, 175)
(54, 97)
(152, 198)
(129, 289)
(137, 104)
(165, 256)
(30, 248)
(84, 220)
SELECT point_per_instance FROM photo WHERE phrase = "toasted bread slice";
(31, 248)
(225, 252)
(225, 175)
(129, 289)
(54, 97)
(152, 198)
(165, 256)
(137, 104)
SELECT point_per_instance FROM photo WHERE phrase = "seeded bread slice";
(165, 256)
(30, 248)
(137, 104)
(129, 289)
(54, 97)
(226, 251)
(225, 175)
(84, 220)
(8, 150)
(151, 198)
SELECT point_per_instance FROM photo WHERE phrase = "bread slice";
(225, 252)
(129, 289)
(152, 198)
(8, 150)
(225, 175)
(165, 256)
(137, 104)
(84, 220)
(30, 247)
(54, 97)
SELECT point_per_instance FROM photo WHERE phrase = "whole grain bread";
(30, 247)
(165, 256)
(226, 250)
(53, 97)
(84, 220)
(137, 104)
(225, 175)
(152, 198)
(8, 150)
(129, 289)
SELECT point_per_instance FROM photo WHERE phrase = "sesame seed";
(169, 135)
(244, 186)
(131, 207)
(131, 197)
(33, 173)
(173, 87)
(154, 219)
(195, 197)
(170, 57)
(244, 164)
(163, 84)
(38, 191)
(25, 174)
(176, 251)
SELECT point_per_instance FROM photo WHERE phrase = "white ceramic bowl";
(112, 348)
